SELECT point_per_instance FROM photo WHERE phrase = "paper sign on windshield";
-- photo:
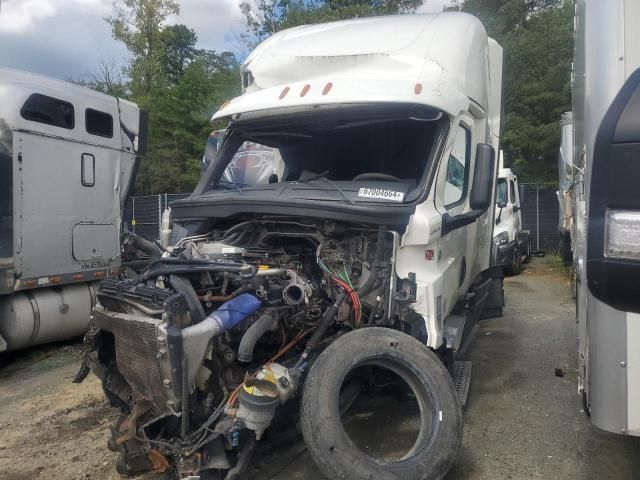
(381, 194)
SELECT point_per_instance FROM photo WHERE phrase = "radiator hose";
(266, 323)
(145, 246)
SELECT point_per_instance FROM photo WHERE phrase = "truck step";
(462, 379)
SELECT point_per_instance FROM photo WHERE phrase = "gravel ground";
(521, 421)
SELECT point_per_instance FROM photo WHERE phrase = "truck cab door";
(457, 247)
(445, 241)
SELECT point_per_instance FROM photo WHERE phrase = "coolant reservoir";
(258, 401)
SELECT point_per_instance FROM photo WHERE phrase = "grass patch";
(553, 260)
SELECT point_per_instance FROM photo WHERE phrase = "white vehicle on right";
(513, 244)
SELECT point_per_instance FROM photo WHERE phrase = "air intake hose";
(196, 337)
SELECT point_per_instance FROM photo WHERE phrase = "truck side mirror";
(483, 178)
(522, 194)
(613, 248)
(481, 197)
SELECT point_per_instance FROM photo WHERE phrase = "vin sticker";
(381, 194)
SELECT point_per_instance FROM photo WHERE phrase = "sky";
(68, 38)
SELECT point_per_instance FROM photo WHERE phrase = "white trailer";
(606, 210)
(67, 159)
(513, 243)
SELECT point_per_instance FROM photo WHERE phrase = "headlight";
(622, 234)
(501, 238)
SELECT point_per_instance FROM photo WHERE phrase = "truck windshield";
(501, 192)
(335, 147)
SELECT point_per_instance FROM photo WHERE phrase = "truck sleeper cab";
(67, 159)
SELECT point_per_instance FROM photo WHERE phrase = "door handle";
(88, 170)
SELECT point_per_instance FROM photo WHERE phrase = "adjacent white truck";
(356, 264)
(606, 210)
(67, 159)
(512, 242)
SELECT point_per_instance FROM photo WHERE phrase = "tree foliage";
(177, 83)
(537, 36)
(139, 25)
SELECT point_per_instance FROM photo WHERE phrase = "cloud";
(213, 21)
(67, 38)
(58, 38)
(18, 16)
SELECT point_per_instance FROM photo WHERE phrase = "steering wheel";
(376, 176)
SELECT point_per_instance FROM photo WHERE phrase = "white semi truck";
(358, 266)
(67, 159)
(513, 243)
(606, 210)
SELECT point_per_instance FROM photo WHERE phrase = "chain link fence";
(143, 214)
(540, 214)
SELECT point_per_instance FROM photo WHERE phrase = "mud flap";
(495, 301)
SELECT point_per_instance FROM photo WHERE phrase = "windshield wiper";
(344, 195)
(321, 176)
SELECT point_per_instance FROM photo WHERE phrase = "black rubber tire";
(333, 451)
(515, 268)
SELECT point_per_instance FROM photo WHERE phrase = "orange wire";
(303, 333)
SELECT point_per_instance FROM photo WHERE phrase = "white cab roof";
(436, 60)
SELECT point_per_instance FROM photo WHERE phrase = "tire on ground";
(335, 454)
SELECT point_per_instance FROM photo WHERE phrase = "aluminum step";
(462, 379)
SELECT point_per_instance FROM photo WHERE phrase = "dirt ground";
(521, 421)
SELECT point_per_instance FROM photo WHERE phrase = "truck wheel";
(515, 267)
(440, 424)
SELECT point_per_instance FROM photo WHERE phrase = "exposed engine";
(207, 346)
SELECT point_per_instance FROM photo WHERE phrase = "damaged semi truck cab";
(67, 158)
(355, 257)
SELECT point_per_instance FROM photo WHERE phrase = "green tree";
(179, 122)
(180, 85)
(179, 49)
(537, 36)
(139, 25)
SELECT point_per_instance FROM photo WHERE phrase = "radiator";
(137, 353)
